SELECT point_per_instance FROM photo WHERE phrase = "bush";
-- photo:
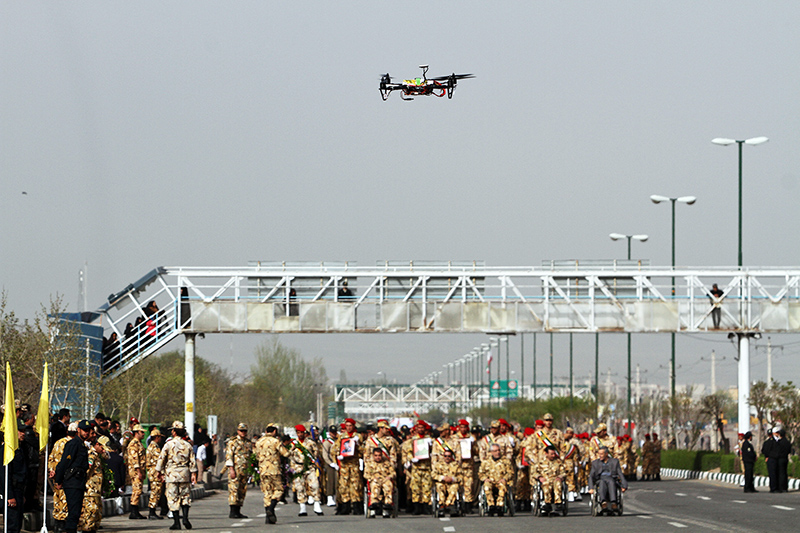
(704, 461)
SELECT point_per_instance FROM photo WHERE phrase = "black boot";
(233, 512)
(186, 523)
(358, 508)
(271, 518)
(135, 514)
(176, 517)
(239, 512)
(348, 508)
(153, 515)
(339, 508)
(164, 507)
(387, 510)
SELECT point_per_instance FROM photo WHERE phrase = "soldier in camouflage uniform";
(237, 459)
(349, 469)
(600, 439)
(550, 473)
(92, 510)
(495, 474)
(522, 491)
(155, 486)
(448, 482)
(59, 500)
(494, 437)
(571, 456)
(382, 439)
(466, 461)
(269, 451)
(305, 468)
(177, 466)
(135, 460)
(421, 481)
(381, 474)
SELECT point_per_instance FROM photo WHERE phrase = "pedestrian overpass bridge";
(442, 297)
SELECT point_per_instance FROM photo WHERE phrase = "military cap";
(332, 428)
(84, 425)
(383, 424)
(504, 422)
(529, 432)
(655, 435)
(137, 427)
(155, 433)
(72, 427)
(463, 422)
(300, 428)
(444, 426)
(104, 442)
(540, 422)
(547, 416)
(495, 424)
(241, 427)
(177, 425)
(600, 427)
(349, 420)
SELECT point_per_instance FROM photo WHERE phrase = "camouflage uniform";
(302, 461)
(135, 459)
(155, 485)
(421, 483)
(486, 442)
(269, 451)
(466, 464)
(447, 492)
(177, 462)
(385, 444)
(495, 474)
(522, 490)
(596, 442)
(571, 456)
(550, 470)
(237, 455)
(381, 481)
(349, 474)
(543, 438)
(406, 452)
(59, 500)
(92, 510)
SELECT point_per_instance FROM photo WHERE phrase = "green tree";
(714, 406)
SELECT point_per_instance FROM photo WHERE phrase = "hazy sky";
(198, 133)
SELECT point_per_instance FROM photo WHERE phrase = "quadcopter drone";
(423, 86)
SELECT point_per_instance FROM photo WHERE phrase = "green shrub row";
(703, 461)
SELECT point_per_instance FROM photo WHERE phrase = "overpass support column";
(744, 381)
(189, 384)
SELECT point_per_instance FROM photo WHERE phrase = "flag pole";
(5, 500)
(44, 490)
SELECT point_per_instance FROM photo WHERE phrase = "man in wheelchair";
(380, 474)
(448, 483)
(550, 472)
(495, 474)
(605, 475)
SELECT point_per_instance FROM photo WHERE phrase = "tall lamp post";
(688, 200)
(641, 238)
(725, 142)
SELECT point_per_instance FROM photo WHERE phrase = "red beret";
(741, 434)
(646, 435)
(300, 427)
(540, 422)
(626, 436)
(504, 421)
(463, 422)
(350, 420)
(529, 431)
(655, 434)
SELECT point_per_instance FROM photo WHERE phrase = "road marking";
(680, 494)
(703, 498)
(444, 519)
(658, 491)
(248, 519)
(677, 524)
(449, 529)
(739, 501)
(262, 515)
(782, 508)
(239, 524)
(645, 517)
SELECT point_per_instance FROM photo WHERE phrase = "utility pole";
(638, 386)
(551, 366)
(769, 361)
(571, 388)
(534, 367)
(713, 372)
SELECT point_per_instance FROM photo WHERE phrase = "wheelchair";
(460, 505)
(368, 513)
(538, 505)
(596, 505)
(509, 506)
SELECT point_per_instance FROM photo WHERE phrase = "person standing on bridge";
(716, 304)
(237, 458)
(176, 465)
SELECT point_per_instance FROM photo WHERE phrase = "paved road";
(655, 506)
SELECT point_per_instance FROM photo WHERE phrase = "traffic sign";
(502, 388)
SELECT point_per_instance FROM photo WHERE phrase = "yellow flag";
(43, 416)
(10, 420)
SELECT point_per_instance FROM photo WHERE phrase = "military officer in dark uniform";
(71, 474)
(17, 474)
(749, 461)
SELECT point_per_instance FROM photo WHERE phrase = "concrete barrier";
(733, 479)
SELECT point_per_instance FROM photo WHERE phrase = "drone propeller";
(453, 76)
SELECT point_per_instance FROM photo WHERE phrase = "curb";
(734, 479)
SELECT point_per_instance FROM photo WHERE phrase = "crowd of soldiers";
(376, 468)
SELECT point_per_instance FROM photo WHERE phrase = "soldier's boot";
(318, 509)
(387, 510)
(233, 512)
(331, 502)
(339, 508)
(427, 509)
(176, 520)
(154, 515)
(135, 514)
(271, 518)
(358, 508)
(164, 507)
(239, 512)
(186, 523)
(417, 509)
(303, 511)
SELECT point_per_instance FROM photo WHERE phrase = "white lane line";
(249, 519)
(449, 529)
(262, 515)
(677, 524)
(226, 532)
(739, 501)
(238, 524)
(444, 519)
(659, 491)
(645, 517)
(680, 494)
(703, 498)
(782, 508)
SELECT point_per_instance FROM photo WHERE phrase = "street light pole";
(688, 200)
(642, 238)
(725, 142)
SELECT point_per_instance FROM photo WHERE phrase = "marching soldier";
(441, 443)
(446, 474)
(382, 440)
(329, 459)
(550, 473)
(546, 436)
(71, 474)
(92, 509)
(493, 437)
(381, 474)
(466, 452)
(421, 484)
(495, 474)
(522, 494)
(571, 456)
(269, 451)
(59, 500)
(658, 445)
(135, 459)
(177, 466)
(507, 437)
(406, 454)
(305, 468)
(348, 448)
(600, 439)
(237, 459)
(155, 485)
(647, 458)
